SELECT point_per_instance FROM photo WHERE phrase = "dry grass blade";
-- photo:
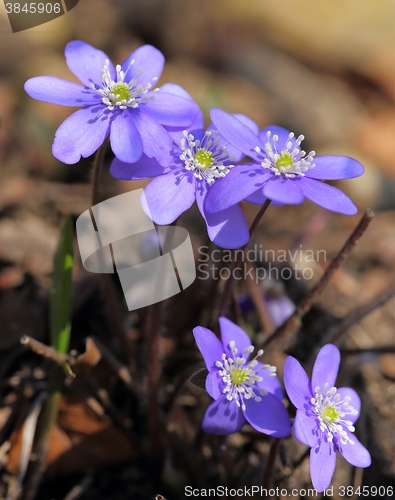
(27, 444)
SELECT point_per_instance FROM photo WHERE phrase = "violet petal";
(223, 417)
(268, 416)
(86, 62)
(327, 196)
(241, 181)
(305, 427)
(125, 139)
(280, 188)
(81, 134)
(297, 383)
(232, 332)
(335, 167)
(58, 91)
(322, 464)
(168, 196)
(209, 345)
(326, 367)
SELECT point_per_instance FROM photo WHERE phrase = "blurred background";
(321, 68)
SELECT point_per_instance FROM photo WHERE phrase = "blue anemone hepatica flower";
(118, 101)
(325, 415)
(199, 159)
(281, 171)
(243, 389)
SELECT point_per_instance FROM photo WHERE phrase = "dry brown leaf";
(81, 440)
(89, 359)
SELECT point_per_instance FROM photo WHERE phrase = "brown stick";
(381, 349)
(290, 326)
(119, 368)
(336, 333)
(46, 351)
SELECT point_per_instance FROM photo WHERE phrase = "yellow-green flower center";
(239, 376)
(285, 160)
(330, 414)
(204, 157)
(122, 90)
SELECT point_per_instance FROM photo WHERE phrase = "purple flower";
(325, 415)
(281, 170)
(199, 159)
(117, 100)
(279, 308)
(242, 389)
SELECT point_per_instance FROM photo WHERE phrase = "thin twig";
(46, 351)
(336, 333)
(227, 293)
(118, 419)
(119, 368)
(382, 349)
(290, 326)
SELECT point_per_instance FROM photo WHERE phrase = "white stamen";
(291, 153)
(330, 398)
(216, 155)
(135, 92)
(249, 375)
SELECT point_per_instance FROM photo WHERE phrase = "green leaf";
(60, 307)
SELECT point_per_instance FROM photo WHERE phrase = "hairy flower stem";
(153, 328)
(153, 379)
(227, 293)
(299, 461)
(285, 331)
(269, 468)
(255, 292)
(96, 173)
(108, 287)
